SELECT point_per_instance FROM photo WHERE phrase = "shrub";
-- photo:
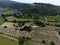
(14, 25)
(43, 41)
(21, 41)
(26, 28)
(39, 23)
(5, 26)
(52, 43)
(59, 32)
(14, 21)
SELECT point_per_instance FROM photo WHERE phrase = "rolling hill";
(31, 9)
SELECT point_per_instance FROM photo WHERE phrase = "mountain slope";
(42, 9)
(11, 4)
(31, 9)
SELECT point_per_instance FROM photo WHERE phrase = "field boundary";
(9, 37)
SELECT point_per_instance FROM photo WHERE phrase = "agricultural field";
(52, 18)
(31, 42)
(11, 18)
(23, 23)
(6, 41)
(6, 11)
(2, 20)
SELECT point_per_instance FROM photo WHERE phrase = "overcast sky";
(55, 2)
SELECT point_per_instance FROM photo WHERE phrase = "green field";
(2, 20)
(52, 18)
(11, 18)
(6, 11)
(6, 41)
(47, 18)
(31, 42)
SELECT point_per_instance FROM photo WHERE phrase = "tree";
(21, 41)
(43, 41)
(21, 23)
(6, 20)
(56, 20)
(27, 28)
(39, 23)
(14, 21)
(59, 32)
(5, 26)
(52, 43)
(14, 25)
(57, 25)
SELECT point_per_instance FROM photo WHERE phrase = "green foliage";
(5, 26)
(6, 11)
(21, 41)
(52, 43)
(27, 28)
(43, 41)
(39, 23)
(57, 25)
(2, 20)
(21, 23)
(14, 21)
(59, 32)
(53, 18)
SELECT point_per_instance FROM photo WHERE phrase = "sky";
(54, 2)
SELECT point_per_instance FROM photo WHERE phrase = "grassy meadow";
(53, 18)
(2, 20)
(6, 41)
(31, 42)
(11, 18)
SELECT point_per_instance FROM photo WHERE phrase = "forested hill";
(42, 9)
(11, 4)
(31, 9)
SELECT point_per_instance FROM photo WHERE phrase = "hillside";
(31, 9)
(29, 24)
(42, 9)
(11, 4)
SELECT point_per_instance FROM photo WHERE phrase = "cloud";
(55, 2)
